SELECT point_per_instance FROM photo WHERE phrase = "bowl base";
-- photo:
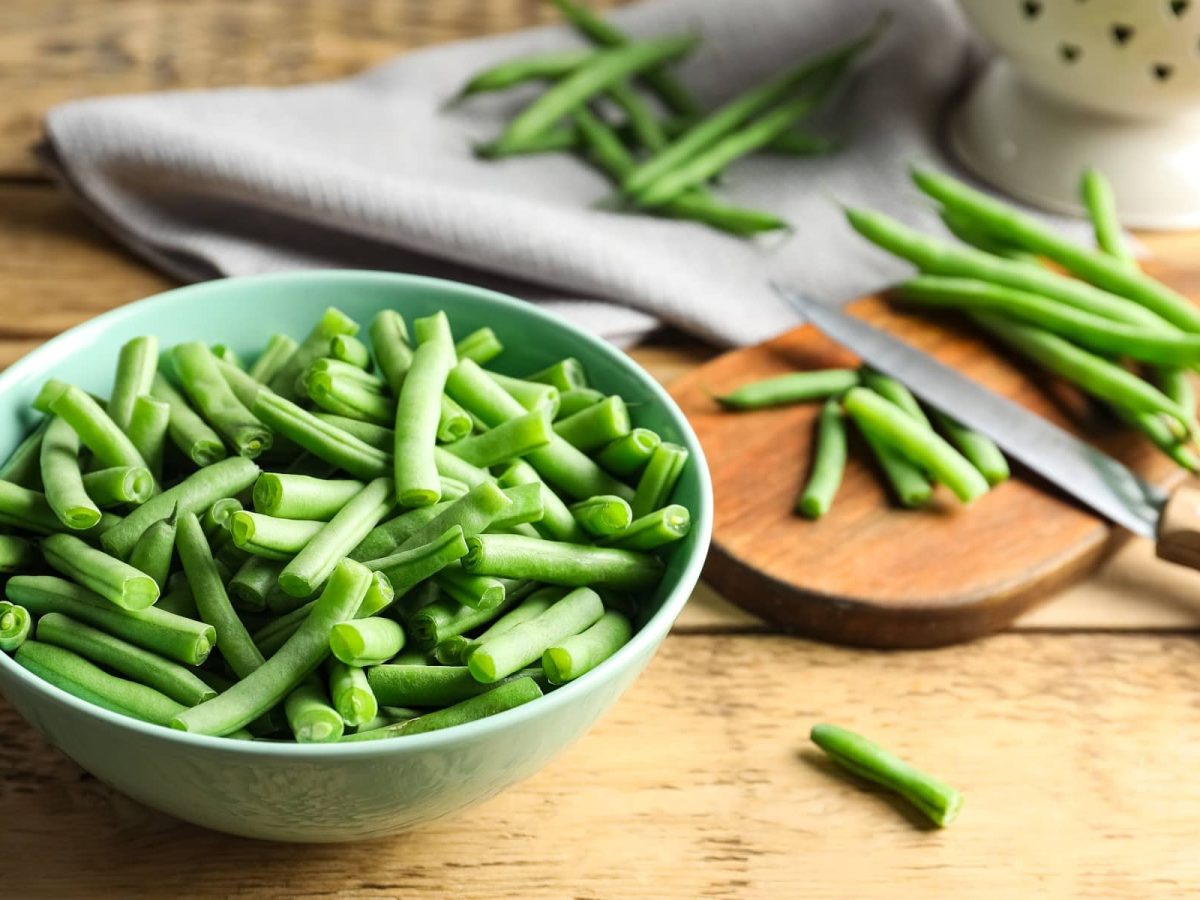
(1035, 147)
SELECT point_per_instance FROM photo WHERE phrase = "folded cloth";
(375, 172)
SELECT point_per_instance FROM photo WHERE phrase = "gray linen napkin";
(372, 172)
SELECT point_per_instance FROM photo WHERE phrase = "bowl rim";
(653, 630)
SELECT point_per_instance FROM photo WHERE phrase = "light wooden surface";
(1076, 750)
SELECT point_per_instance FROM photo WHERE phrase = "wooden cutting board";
(871, 573)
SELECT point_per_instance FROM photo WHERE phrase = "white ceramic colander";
(1108, 83)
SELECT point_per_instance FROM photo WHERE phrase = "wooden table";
(1075, 737)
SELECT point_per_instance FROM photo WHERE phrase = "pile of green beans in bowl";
(349, 538)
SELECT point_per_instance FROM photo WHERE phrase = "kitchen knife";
(1092, 477)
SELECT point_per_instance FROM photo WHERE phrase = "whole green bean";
(939, 802)
(16, 553)
(212, 396)
(72, 673)
(190, 433)
(148, 428)
(557, 522)
(596, 425)
(109, 444)
(506, 696)
(481, 345)
(309, 715)
(270, 537)
(1101, 206)
(15, 624)
(967, 232)
(580, 653)
(23, 466)
(627, 456)
(325, 441)
(525, 643)
(659, 478)
(829, 464)
(1092, 331)
(1155, 428)
(350, 350)
(332, 322)
(907, 481)
(312, 565)
(153, 551)
(366, 642)
(118, 485)
(176, 681)
(794, 387)
(917, 442)
(351, 694)
(194, 494)
(63, 477)
(418, 411)
(508, 440)
(250, 585)
(274, 356)
(165, 633)
(603, 515)
(528, 68)
(552, 562)
(599, 73)
(302, 497)
(646, 128)
(892, 390)
(475, 591)
(299, 656)
(136, 364)
(979, 449)
(117, 582)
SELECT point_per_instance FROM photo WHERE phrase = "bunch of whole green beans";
(619, 107)
(1098, 321)
(344, 541)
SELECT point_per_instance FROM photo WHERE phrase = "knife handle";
(1179, 528)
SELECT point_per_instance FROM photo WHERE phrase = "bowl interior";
(244, 312)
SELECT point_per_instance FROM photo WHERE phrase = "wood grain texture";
(870, 573)
(1073, 752)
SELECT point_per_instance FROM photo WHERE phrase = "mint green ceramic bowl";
(294, 792)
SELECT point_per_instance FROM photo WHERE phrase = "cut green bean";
(603, 515)
(302, 497)
(332, 322)
(580, 653)
(423, 686)
(16, 553)
(418, 411)
(212, 600)
(119, 485)
(377, 436)
(906, 480)
(312, 565)
(322, 440)
(509, 440)
(596, 425)
(475, 591)
(366, 642)
(275, 633)
(190, 433)
(659, 478)
(274, 356)
(576, 400)
(15, 625)
(194, 494)
(349, 398)
(552, 562)
(117, 582)
(937, 801)
(454, 423)
(72, 673)
(916, 441)
(208, 390)
(386, 538)
(557, 522)
(1101, 206)
(63, 477)
(165, 633)
(148, 428)
(530, 394)
(627, 456)
(350, 350)
(136, 365)
(828, 466)
(310, 716)
(506, 696)
(153, 551)
(405, 569)
(531, 607)
(23, 466)
(176, 681)
(480, 345)
(979, 449)
(653, 530)
(527, 506)
(566, 375)
(525, 643)
(25, 508)
(794, 387)
(270, 537)
(299, 656)
(446, 618)
(1098, 268)
(389, 338)
(474, 513)
(250, 585)
(227, 354)
(351, 694)
(109, 444)
(380, 596)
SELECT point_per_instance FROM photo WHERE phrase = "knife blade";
(1073, 465)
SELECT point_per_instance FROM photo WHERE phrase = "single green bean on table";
(580, 653)
(72, 673)
(552, 562)
(366, 642)
(148, 428)
(136, 364)
(15, 625)
(418, 411)
(62, 477)
(979, 449)
(178, 682)
(659, 478)
(567, 375)
(299, 656)
(576, 400)
(274, 356)
(603, 515)
(316, 344)
(309, 568)
(302, 497)
(501, 656)
(270, 537)
(23, 466)
(350, 350)
(475, 591)
(119, 485)
(16, 553)
(186, 429)
(794, 387)
(216, 402)
(117, 582)
(936, 800)
(909, 484)
(628, 455)
(110, 445)
(509, 440)
(351, 694)
(528, 68)
(596, 425)
(179, 638)
(828, 465)
(310, 716)
(195, 493)
(506, 696)
(322, 440)
(250, 585)
(481, 345)
(26, 508)
(1097, 196)
(153, 551)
